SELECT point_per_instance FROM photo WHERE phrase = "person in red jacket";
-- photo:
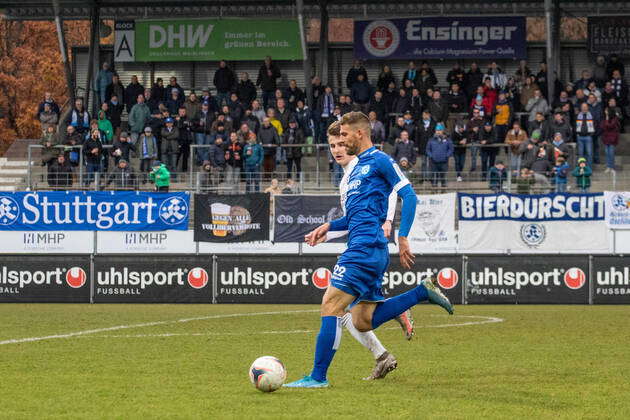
(610, 137)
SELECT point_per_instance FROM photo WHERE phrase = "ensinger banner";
(552, 223)
(93, 210)
(207, 40)
(495, 37)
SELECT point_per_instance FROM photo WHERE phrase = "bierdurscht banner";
(94, 210)
(552, 223)
(232, 218)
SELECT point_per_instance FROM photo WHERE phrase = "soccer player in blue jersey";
(358, 275)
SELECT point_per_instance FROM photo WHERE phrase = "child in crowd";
(582, 174)
(561, 170)
(525, 181)
(498, 175)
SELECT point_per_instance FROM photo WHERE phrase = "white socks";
(367, 339)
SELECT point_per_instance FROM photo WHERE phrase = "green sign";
(217, 39)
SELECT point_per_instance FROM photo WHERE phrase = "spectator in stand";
(560, 171)
(138, 118)
(243, 134)
(291, 137)
(541, 78)
(525, 182)
(246, 90)
(512, 94)
(515, 137)
(291, 187)
(425, 131)
(185, 126)
(49, 142)
(202, 127)
(411, 74)
(377, 129)
(614, 110)
(93, 153)
(345, 103)
(559, 147)
(615, 64)
(234, 162)
(438, 107)
(610, 137)
(404, 149)
(217, 160)
(439, 150)
(223, 119)
(354, 72)
(160, 176)
(253, 153)
(400, 126)
(596, 110)
(528, 90)
(472, 80)
(170, 144)
(535, 105)
(274, 188)
(529, 149)
(115, 88)
(317, 90)
(584, 81)
(460, 138)
(582, 174)
(305, 120)
(326, 106)
(585, 128)
(122, 148)
(416, 102)
(600, 72)
(490, 93)
(498, 176)
(258, 111)
(103, 80)
(487, 138)
(79, 117)
(385, 77)
(193, 106)
(48, 99)
(72, 139)
(425, 81)
(594, 90)
(361, 93)
(455, 99)
(114, 113)
(456, 76)
(522, 73)
(174, 101)
(132, 91)
(560, 124)
(273, 102)
(60, 173)
(158, 91)
(608, 93)
(620, 87)
(269, 139)
(268, 74)
(541, 125)
(502, 118)
(498, 79)
(224, 81)
(541, 164)
(293, 94)
(206, 96)
(564, 104)
(105, 126)
(173, 85)
(148, 151)
(389, 96)
(123, 176)
(479, 108)
(235, 110)
(48, 118)
(283, 114)
(401, 103)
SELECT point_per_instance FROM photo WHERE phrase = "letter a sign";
(124, 41)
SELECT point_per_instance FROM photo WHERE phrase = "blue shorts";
(359, 272)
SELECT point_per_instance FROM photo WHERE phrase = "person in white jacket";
(385, 361)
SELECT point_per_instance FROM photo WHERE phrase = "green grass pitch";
(191, 361)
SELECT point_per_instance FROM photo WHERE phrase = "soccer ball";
(267, 373)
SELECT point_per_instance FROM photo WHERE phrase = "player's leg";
(333, 304)
(405, 320)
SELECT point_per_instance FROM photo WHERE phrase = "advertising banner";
(232, 218)
(433, 228)
(216, 39)
(484, 37)
(45, 278)
(162, 279)
(165, 242)
(548, 223)
(611, 279)
(50, 242)
(609, 35)
(297, 215)
(617, 205)
(93, 210)
(535, 279)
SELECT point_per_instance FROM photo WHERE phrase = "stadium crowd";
(480, 114)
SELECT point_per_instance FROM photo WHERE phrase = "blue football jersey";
(370, 183)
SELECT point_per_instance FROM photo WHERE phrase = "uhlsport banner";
(441, 37)
(297, 215)
(209, 40)
(433, 229)
(93, 210)
(546, 223)
(617, 205)
(232, 218)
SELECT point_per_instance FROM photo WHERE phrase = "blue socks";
(395, 306)
(328, 341)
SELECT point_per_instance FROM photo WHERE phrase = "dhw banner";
(433, 229)
(441, 37)
(535, 279)
(56, 278)
(210, 40)
(547, 223)
(617, 205)
(611, 279)
(297, 215)
(304, 279)
(232, 218)
(93, 210)
(609, 35)
(162, 279)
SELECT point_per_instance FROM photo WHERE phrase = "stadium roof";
(136, 9)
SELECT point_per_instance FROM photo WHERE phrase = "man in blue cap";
(170, 144)
(439, 151)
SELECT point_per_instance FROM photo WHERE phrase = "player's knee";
(362, 324)
(330, 307)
